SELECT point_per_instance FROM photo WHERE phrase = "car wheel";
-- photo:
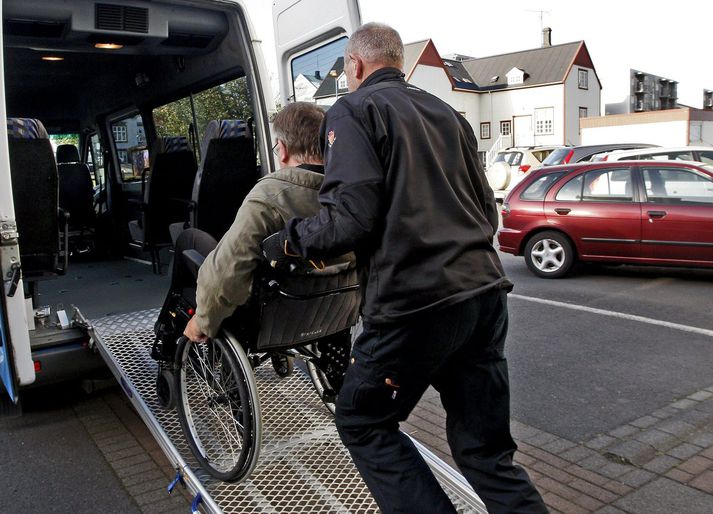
(549, 254)
(498, 175)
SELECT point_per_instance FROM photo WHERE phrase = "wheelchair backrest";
(298, 308)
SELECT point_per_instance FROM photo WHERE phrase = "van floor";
(106, 288)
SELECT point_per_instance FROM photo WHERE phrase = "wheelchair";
(291, 315)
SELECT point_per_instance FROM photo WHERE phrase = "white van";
(117, 105)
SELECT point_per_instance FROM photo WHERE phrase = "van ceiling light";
(52, 58)
(108, 46)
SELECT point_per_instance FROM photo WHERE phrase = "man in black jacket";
(405, 190)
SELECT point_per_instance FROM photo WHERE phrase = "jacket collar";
(382, 75)
(298, 176)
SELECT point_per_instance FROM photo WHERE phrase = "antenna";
(542, 16)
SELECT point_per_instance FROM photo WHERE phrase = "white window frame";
(508, 124)
(120, 133)
(342, 82)
(582, 78)
(544, 121)
(585, 110)
(485, 130)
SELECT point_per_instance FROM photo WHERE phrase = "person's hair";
(297, 126)
(377, 43)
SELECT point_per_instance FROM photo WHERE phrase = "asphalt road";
(577, 373)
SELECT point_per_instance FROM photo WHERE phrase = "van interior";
(127, 122)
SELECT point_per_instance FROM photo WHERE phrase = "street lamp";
(334, 74)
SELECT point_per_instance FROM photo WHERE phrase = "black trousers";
(459, 350)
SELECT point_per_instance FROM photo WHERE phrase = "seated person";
(225, 277)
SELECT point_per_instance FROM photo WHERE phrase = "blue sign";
(5, 365)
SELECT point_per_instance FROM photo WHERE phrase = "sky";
(620, 35)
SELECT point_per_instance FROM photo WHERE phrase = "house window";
(342, 84)
(120, 135)
(505, 127)
(123, 156)
(544, 121)
(582, 112)
(583, 81)
(485, 130)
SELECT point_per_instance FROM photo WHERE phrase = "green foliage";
(65, 139)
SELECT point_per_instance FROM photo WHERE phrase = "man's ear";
(283, 154)
(358, 67)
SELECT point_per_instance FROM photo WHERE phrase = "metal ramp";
(303, 466)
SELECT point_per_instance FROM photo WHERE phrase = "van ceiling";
(166, 48)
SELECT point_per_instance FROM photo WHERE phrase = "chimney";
(317, 75)
(546, 37)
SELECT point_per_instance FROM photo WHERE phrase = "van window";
(228, 101)
(316, 74)
(130, 143)
(63, 139)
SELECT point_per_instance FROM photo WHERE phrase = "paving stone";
(637, 477)
(126, 452)
(632, 451)
(610, 509)
(145, 476)
(121, 445)
(664, 412)
(138, 468)
(696, 465)
(562, 504)
(577, 453)
(541, 439)
(131, 461)
(695, 417)
(684, 451)
(600, 442)
(661, 464)
(708, 452)
(593, 490)
(645, 422)
(614, 470)
(151, 496)
(683, 404)
(623, 431)
(704, 482)
(587, 502)
(558, 488)
(558, 446)
(703, 439)
(587, 475)
(657, 439)
(700, 396)
(521, 430)
(675, 427)
(594, 462)
(553, 472)
(679, 475)
(706, 406)
(617, 487)
(664, 496)
(157, 484)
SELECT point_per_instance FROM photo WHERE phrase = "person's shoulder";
(287, 178)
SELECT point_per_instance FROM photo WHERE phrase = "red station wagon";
(637, 212)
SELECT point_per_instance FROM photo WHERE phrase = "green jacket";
(225, 278)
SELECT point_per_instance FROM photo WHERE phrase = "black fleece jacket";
(405, 190)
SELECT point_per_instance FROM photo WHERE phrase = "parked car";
(511, 165)
(683, 153)
(573, 154)
(639, 212)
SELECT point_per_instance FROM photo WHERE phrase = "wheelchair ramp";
(303, 466)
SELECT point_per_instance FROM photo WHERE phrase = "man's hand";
(194, 333)
(276, 250)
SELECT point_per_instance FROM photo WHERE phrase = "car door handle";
(656, 214)
(561, 211)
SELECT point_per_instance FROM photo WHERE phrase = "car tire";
(549, 254)
(498, 175)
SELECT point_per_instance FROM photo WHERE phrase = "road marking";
(632, 317)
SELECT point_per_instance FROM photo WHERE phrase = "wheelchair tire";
(166, 389)
(218, 407)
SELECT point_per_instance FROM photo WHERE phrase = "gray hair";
(377, 43)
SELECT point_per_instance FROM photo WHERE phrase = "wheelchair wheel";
(218, 407)
(328, 368)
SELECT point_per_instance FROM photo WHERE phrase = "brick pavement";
(132, 452)
(662, 462)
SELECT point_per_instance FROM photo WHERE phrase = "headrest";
(232, 128)
(67, 154)
(172, 144)
(26, 128)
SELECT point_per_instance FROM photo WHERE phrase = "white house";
(532, 97)
(673, 127)
(306, 86)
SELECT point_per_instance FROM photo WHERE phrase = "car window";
(675, 186)
(539, 187)
(540, 155)
(706, 157)
(559, 156)
(571, 191)
(607, 185)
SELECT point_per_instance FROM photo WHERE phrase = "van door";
(16, 366)
(316, 31)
